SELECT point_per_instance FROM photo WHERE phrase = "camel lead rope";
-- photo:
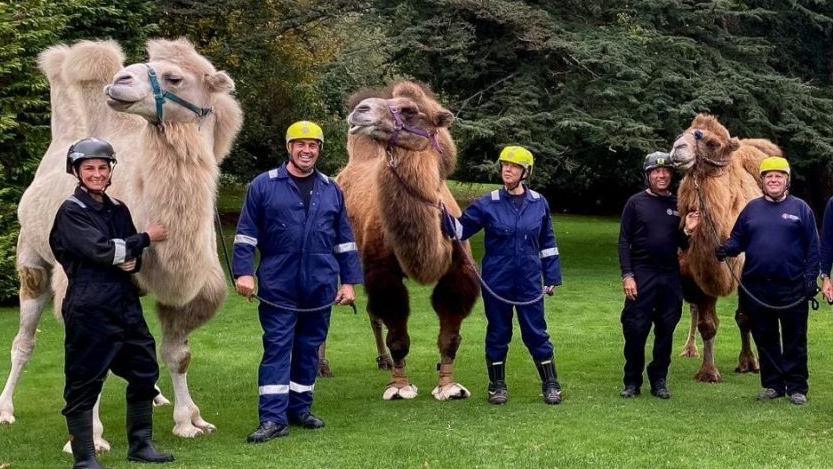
(707, 217)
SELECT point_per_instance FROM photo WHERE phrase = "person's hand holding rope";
(629, 287)
(245, 286)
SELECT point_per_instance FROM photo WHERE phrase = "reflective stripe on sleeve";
(273, 389)
(120, 252)
(345, 247)
(74, 199)
(243, 239)
(458, 229)
(295, 387)
(548, 252)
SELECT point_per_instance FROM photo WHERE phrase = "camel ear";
(444, 119)
(219, 82)
(733, 145)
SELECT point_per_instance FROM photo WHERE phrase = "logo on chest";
(789, 216)
(672, 212)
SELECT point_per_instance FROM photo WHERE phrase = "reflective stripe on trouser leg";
(273, 376)
(498, 327)
(310, 333)
(534, 330)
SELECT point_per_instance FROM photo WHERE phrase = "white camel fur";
(166, 173)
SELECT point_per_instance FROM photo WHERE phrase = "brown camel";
(167, 172)
(401, 153)
(721, 177)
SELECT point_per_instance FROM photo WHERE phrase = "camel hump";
(96, 61)
(51, 62)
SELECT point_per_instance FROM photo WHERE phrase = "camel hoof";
(690, 351)
(187, 430)
(324, 370)
(708, 376)
(384, 362)
(160, 401)
(747, 365)
(6, 417)
(101, 446)
(392, 393)
(206, 427)
(450, 392)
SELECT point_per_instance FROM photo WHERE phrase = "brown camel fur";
(721, 178)
(166, 173)
(391, 187)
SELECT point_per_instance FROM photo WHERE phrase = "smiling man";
(649, 238)
(778, 234)
(296, 218)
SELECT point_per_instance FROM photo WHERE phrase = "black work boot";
(140, 432)
(550, 388)
(660, 389)
(498, 393)
(80, 428)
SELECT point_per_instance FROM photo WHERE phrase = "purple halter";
(400, 125)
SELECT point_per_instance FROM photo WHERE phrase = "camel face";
(375, 118)
(131, 91)
(683, 153)
(705, 140)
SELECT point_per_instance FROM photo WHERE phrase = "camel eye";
(409, 112)
(174, 80)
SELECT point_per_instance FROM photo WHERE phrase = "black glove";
(720, 253)
(812, 289)
(447, 223)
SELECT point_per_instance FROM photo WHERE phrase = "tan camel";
(401, 153)
(721, 176)
(167, 172)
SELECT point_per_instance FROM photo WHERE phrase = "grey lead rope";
(260, 298)
(813, 302)
(444, 213)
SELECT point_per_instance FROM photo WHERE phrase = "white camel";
(167, 172)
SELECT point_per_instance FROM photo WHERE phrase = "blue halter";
(160, 96)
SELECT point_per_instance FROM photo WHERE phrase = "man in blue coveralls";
(296, 218)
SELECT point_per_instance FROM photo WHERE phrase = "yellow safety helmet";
(774, 163)
(517, 155)
(304, 129)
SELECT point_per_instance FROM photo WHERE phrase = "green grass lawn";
(703, 425)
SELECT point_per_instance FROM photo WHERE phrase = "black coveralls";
(649, 237)
(105, 329)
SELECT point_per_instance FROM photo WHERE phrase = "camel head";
(706, 142)
(175, 85)
(408, 117)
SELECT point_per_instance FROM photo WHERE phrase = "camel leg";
(707, 325)
(34, 294)
(690, 347)
(383, 358)
(453, 299)
(177, 324)
(324, 370)
(747, 362)
(387, 299)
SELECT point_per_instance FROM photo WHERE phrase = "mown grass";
(703, 425)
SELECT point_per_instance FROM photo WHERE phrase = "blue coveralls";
(302, 254)
(520, 248)
(105, 329)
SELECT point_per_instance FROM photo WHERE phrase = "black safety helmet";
(657, 159)
(88, 149)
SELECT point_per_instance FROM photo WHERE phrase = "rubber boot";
(498, 393)
(550, 388)
(80, 428)
(140, 432)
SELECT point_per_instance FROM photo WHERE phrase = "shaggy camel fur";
(392, 184)
(721, 177)
(166, 173)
